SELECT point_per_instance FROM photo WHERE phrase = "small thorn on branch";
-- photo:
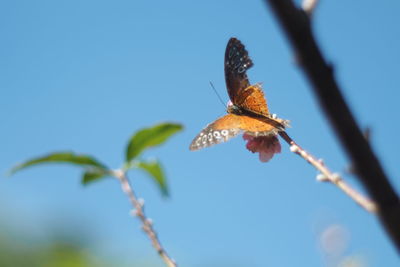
(149, 221)
(141, 202)
(294, 149)
(133, 213)
(309, 6)
(322, 178)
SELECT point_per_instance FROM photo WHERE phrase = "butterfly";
(247, 110)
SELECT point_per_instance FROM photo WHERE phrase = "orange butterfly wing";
(227, 127)
(254, 100)
(217, 132)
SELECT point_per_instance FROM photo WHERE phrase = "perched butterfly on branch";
(247, 110)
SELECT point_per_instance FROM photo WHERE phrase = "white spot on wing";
(210, 137)
(217, 135)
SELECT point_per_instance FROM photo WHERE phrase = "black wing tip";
(234, 42)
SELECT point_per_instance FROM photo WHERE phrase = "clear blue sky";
(84, 75)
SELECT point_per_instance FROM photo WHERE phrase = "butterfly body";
(247, 111)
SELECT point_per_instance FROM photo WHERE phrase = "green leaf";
(150, 137)
(62, 157)
(153, 168)
(90, 176)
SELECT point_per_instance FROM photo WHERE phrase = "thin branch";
(147, 224)
(329, 176)
(296, 25)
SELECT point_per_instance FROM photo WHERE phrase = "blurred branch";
(147, 224)
(296, 25)
(329, 176)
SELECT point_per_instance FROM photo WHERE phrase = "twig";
(327, 175)
(147, 223)
(296, 25)
(309, 6)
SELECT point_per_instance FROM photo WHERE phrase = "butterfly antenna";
(219, 97)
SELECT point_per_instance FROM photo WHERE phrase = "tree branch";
(147, 224)
(329, 176)
(296, 25)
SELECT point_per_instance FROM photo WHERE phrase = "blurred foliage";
(58, 253)
(62, 251)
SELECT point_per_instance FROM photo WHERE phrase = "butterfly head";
(233, 109)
